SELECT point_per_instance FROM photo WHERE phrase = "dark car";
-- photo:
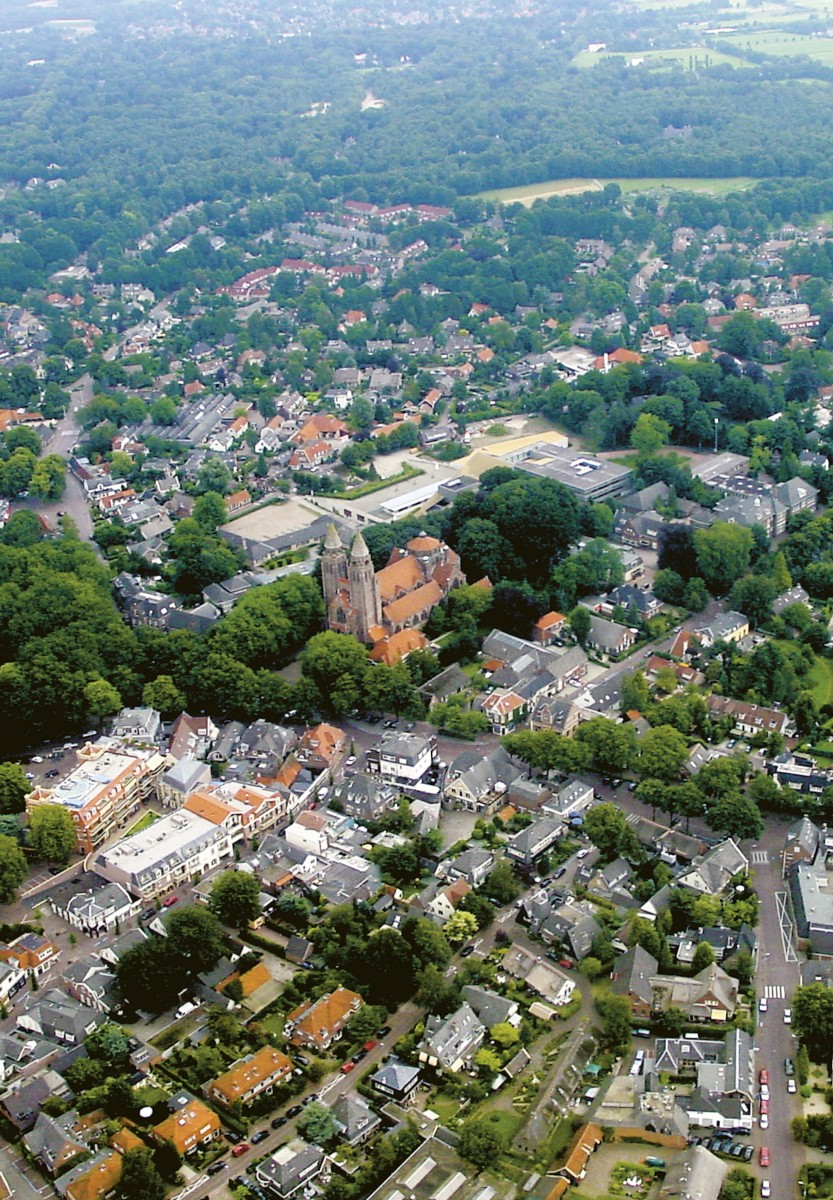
(383, 1031)
(215, 1168)
(466, 951)
(789, 1069)
(302, 1059)
(236, 1181)
(232, 1137)
(296, 1108)
(51, 774)
(748, 1151)
(260, 1136)
(359, 1055)
(148, 914)
(309, 1099)
(278, 1122)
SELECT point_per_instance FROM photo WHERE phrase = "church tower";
(364, 590)
(334, 579)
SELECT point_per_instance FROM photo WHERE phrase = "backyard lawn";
(820, 680)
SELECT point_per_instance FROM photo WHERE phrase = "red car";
(565, 962)
(765, 1108)
(370, 1045)
(169, 901)
(763, 1156)
(347, 1067)
(241, 1149)
(763, 1077)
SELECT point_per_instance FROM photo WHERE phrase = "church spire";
(359, 549)
(332, 541)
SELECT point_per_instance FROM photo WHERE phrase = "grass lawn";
(529, 192)
(274, 1023)
(692, 58)
(781, 44)
(143, 823)
(505, 1121)
(446, 1107)
(820, 679)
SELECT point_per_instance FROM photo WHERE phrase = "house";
(548, 627)
(402, 758)
(364, 797)
(749, 718)
(21, 1104)
(189, 1127)
(796, 495)
(540, 975)
(472, 865)
(530, 843)
(644, 500)
(321, 748)
(90, 983)
(693, 1174)
(445, 902)
(250, 1077)
(32, 953)
(643, 529)
(645, 604)
(711, 1110)
(192, 737)
(61, 1018)
(733, 1072)
(355, 1121)
(794, 595)
(186, 776)
(491, 1008)
(137, 725)
(449, 1043)
(609, 637)
(322, 1022)
(585, 1141)
(505, 710)
(724, 627)
(51, 1142)
(93, 1179)
(89, 903)
(812, 902)
(712, 873)
(801, 843)
(477, 783)
(631, 976)
(288, 1173)
(396, 1080)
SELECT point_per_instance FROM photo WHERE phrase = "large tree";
(140, 1179)
(52, 833)
(13, 869)
(195, 937)
(813, 1020)
(722, 554)
(481, 1142)
(235, 899)
(662, 754)
(13, 788)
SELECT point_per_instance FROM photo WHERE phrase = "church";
(374, 605)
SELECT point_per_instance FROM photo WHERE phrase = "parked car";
(789, 1068)
(347, 1067)
(260, 1136)
(148, 914)
(169, 900)
(383, 1031)
(277, 1122)
(763, 1121)
(748, 1151)
(371, 1045)
(765, 1191)
(232, 1137)
(309, 1099)
(762, 1004)
(791, 1086)
(294, 1110)
(764, 1092)
(241, 1149)
(763, 1156)
(215, 1168)
(302, 1059)
(567, 963)
(788, 1016)
(467, 951)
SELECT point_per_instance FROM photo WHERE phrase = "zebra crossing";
(775, 991)
(760, 857)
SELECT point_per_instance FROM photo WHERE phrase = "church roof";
(359, 549)
(422, 543)
(332, 541)
(414, 602)
(401, 576)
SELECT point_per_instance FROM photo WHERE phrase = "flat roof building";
(589, 477)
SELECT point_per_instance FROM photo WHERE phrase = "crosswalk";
(775, 991)
(760, 857)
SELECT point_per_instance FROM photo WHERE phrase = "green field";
(693, 58)
(779, 44)
(529, 192)
(820, 680)
(143, 822)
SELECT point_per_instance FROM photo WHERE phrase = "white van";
(185, 1009)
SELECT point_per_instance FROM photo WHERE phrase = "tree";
(672, 1022)
(703, 957)
(22, 529)
(317, 1123)
(615, 1013)
(195, 937)
(649, 434)
(235, 899)
(162, 694)
(427, 943)
(459, 927)
(209, 511)
(13, 869)
(722, 554)
(481, 1142)
(813, 1020)
(613, 746)
(101, 698)
(696, 595)
(753, 596)
(608, 829)
(479, 907)
(580, 623)
(662, 753)
(140, 1180)
(501, 883)
(14, 787)
(737, 815)
(435, 993)
(487, 1061)
(504, 1034)
(52, 833)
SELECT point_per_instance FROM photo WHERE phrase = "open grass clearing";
(820, 679)
(529, 192)
(143, 823)
(781, 45)
(691, 58)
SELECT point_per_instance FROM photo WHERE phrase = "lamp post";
(715, 435)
